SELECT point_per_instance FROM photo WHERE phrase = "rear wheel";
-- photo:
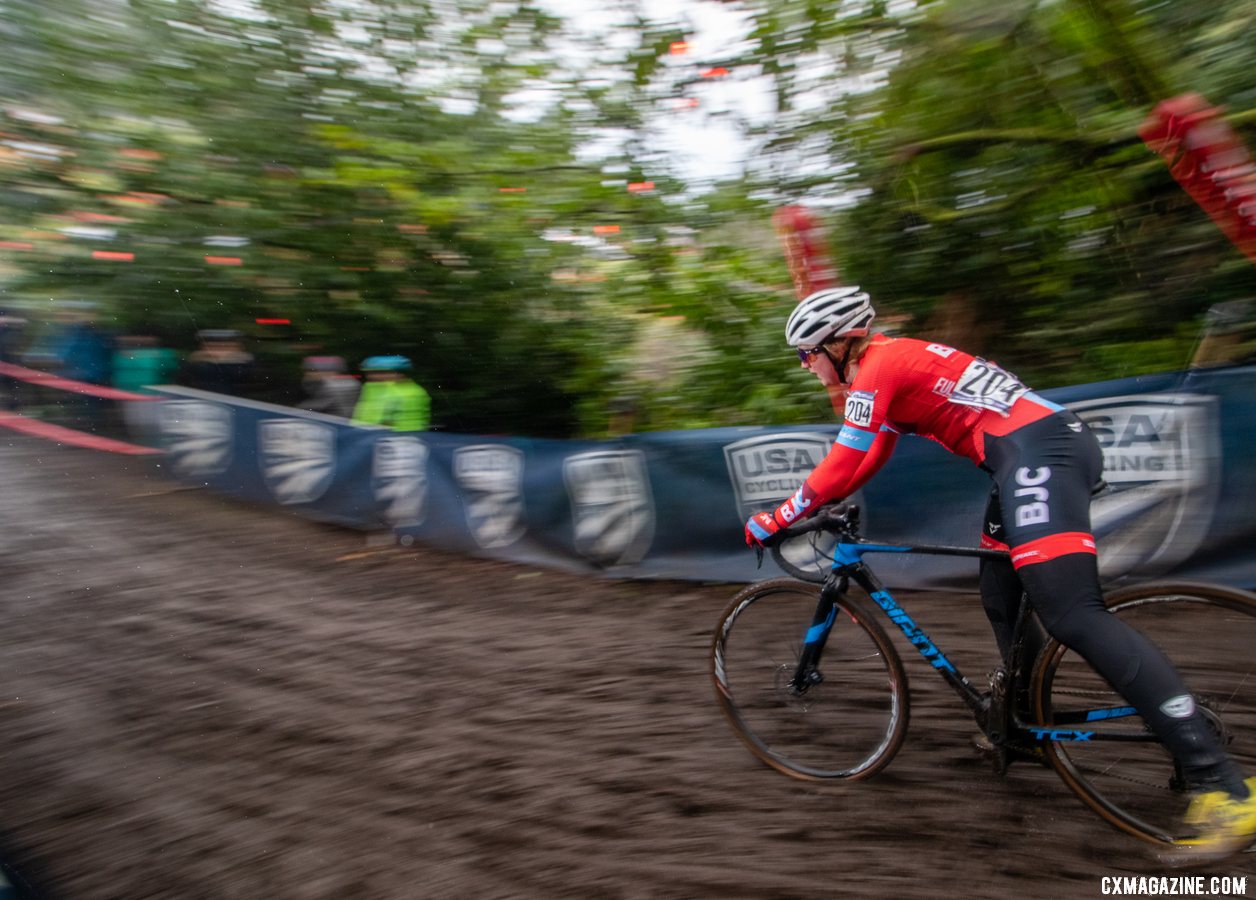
(848, 723)
(1209, 634)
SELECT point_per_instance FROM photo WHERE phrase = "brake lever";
(758, 554)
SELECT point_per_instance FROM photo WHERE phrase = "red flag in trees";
(1209, 161)
(802, 236)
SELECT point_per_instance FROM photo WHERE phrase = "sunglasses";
(805, 355)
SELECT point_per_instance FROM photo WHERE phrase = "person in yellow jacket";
(390, 398)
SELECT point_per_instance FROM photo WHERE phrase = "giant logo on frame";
(1162, 458)
(491, 479)
(298, 458)
(399, 479)
(768, 469)
(198, 436)
(612, 508)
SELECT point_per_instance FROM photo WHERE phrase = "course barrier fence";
(1178, 456)
(88, 406)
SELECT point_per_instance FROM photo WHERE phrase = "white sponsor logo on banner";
(198, 436)
(298, 458)
(612, 508)
(491, 479)
(399, 478)
(767, 470)
(1162, 458)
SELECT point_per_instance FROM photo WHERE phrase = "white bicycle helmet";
(833, 312)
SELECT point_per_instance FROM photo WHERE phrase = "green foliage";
(380, 180)
(256, 168)
(1010, 206)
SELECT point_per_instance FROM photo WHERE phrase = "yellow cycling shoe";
(1223, 826)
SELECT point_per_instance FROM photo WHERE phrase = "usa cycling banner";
(1178, 460)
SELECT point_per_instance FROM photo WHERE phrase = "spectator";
(138, 364)
(12, 339)
(83, 351)
(390, 398)
(222, 365)
(328, 388)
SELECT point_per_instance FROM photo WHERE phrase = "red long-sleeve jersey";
(906, 386)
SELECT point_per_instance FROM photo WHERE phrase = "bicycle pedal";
(1002, 756)
(993, 753)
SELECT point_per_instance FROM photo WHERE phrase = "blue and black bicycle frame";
(1001, 710)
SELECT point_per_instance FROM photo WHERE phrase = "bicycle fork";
(807, 673)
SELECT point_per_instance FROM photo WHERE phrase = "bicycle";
(845, 720)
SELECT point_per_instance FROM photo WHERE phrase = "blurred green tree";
(353, 170)
(415, 177)
(989, 177)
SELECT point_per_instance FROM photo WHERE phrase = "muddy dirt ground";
(206, 699)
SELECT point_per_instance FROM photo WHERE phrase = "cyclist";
(1045, 464)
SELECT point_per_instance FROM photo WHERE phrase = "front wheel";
(1118, 769)
(850, 719)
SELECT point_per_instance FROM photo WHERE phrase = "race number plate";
(986, 386)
